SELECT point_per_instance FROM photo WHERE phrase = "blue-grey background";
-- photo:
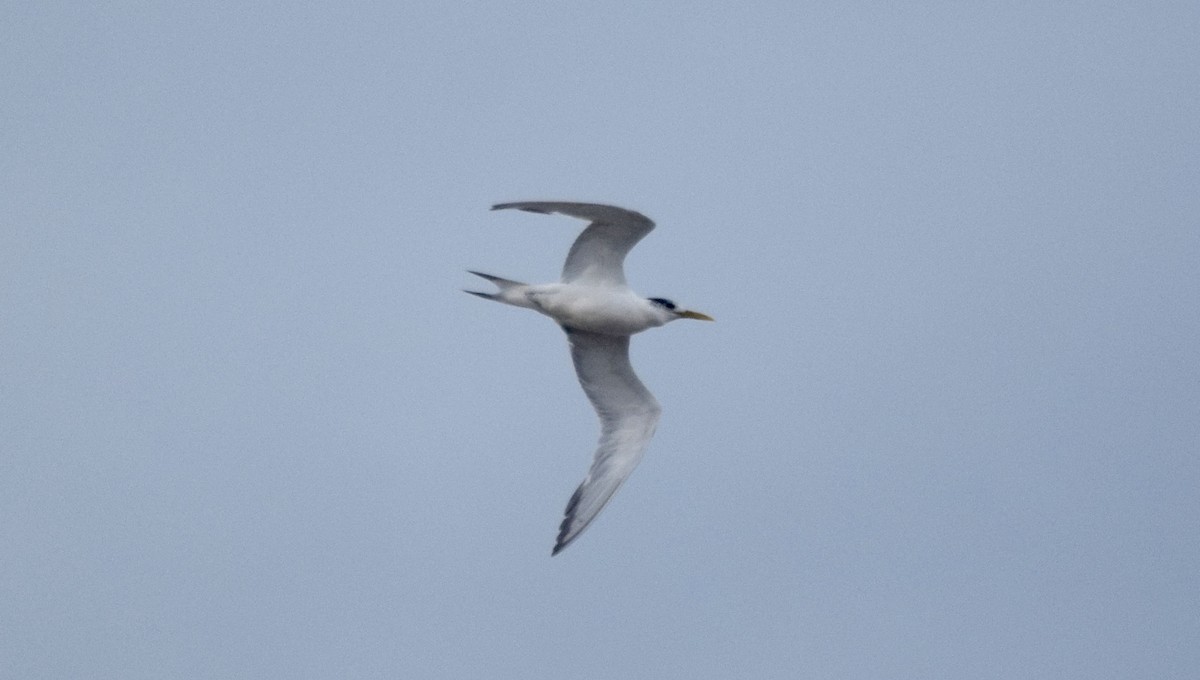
(946, 426)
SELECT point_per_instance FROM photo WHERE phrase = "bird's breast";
(617, 312)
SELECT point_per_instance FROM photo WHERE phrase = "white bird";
(599, 312)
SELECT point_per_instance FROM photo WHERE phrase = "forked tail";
(511, 292)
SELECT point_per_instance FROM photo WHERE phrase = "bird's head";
(673, 312)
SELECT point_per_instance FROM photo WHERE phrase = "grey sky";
(946, 425)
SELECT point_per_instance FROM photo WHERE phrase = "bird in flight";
(599, 312)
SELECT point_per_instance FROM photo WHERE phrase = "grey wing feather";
(628, 416)
(598, 255)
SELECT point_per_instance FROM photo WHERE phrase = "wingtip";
(560, 544)
(565, 535)
(523, 206)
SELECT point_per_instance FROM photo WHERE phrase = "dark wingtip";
(564, 528)
(559, 543)
(519, 206)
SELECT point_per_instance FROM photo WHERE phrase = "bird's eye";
(663, 302)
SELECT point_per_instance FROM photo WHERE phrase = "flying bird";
(599, 312)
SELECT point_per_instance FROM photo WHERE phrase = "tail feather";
(503, 284)
(485, 296)
(511, 292)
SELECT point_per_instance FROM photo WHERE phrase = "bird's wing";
(628, 415)
(598, 255)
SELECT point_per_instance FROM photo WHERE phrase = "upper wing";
(628, 415)
(598, 255)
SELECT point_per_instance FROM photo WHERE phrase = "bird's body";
(609, 310)
(599, 312)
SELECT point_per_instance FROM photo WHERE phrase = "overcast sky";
(947, 424)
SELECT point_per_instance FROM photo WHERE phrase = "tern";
(599, 313)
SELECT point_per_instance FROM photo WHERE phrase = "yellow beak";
(695, 315)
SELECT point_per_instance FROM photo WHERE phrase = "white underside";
(610, 310)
